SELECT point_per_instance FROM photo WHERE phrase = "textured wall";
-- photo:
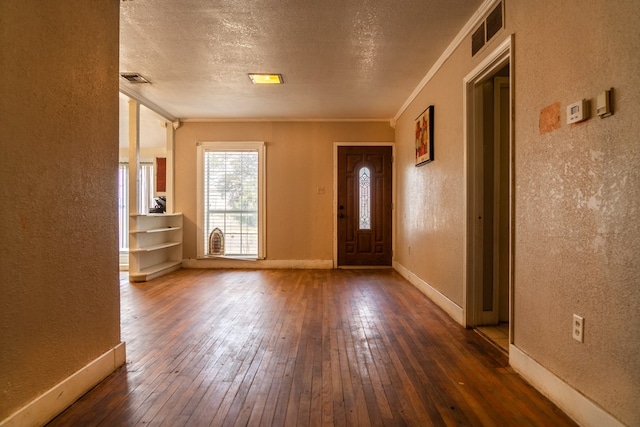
(59, 303)
(430, 197)
(299, 160)
(578, 198)
(577, 193)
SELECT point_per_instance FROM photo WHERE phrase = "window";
(123, 206)
(364, 187)
(145, 198)
(231, 198)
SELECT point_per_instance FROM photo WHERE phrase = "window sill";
(230, 257)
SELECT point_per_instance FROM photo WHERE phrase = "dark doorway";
(490, 207)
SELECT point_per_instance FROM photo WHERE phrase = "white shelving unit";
(155, 245)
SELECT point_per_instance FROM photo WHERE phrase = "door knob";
(340, 215)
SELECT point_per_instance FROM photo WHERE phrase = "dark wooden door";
(364, 205)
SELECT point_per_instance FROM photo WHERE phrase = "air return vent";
(134, 78)
(487, 29)
(494, 21)
(477, 40)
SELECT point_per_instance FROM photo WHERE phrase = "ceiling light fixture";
(266, 79)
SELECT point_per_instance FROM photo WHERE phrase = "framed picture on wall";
(424, 137)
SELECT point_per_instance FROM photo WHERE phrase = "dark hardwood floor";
(298, 348)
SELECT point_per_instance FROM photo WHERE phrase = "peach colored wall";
(299, 161)
(430, 197)
(59, 294)
(577, 193)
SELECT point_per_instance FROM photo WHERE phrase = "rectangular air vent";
(492, 24)
(134, 78)
(494, 21)
(477, 40)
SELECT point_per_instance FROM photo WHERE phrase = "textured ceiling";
(340, 59)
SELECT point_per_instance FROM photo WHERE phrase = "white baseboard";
(124, 260)
(48, 405)
(450, 307)
(580, 408)
(258, 264)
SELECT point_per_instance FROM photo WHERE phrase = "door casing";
(472, 295)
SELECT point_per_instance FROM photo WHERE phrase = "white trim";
(150, 105)
(123, 260)
(258, 146)
(280, 120)
(576, 405)
(170, 168)
(449, 307)
(320, 264)
(335, 190)
(501, 55)
(477, 17)
(48, 405)
(231, 145)
(486, 67)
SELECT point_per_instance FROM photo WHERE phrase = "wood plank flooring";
(302, 348)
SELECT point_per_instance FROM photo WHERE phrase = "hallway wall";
(577, 193)
(59, 294)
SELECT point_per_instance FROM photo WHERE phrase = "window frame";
(238, 146)
(146, 191)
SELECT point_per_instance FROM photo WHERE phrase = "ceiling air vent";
(134, 78)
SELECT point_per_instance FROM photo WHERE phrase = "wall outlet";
(578, 328)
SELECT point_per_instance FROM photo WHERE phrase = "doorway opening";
(145, 158)
(489, 198)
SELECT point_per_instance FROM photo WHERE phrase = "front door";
(364, 205)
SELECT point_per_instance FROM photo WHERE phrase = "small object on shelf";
(160, 205)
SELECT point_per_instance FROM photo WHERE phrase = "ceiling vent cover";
(134, 78)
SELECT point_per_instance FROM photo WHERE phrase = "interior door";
(501, 200)
(492, 198)
(364, 205)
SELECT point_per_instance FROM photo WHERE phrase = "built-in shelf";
(156, 230)
(155, 245)
(154, 271)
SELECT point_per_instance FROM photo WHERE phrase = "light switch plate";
(603, 104)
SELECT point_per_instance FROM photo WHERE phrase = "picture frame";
(424, 137)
